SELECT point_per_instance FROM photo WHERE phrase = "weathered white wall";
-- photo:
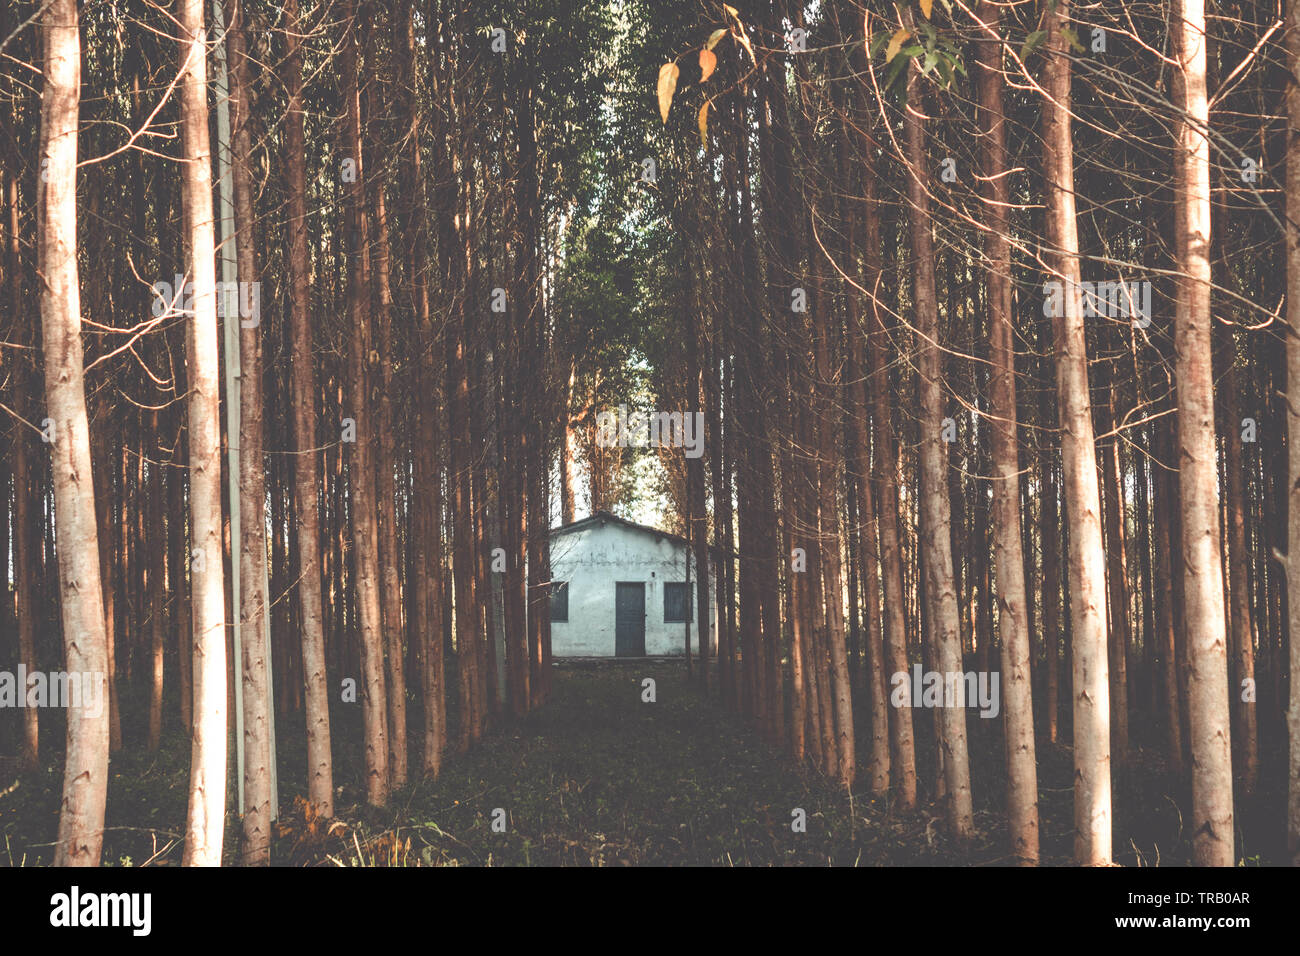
(593, 560)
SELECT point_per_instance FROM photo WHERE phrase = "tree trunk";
(1207, 659)
(1013, 625)
(254, 600)
(207, 799)
(936, 519)
(306, 462)
(361, 468)
(901, 729)
(85, 775)
(385, 481)
(1117, 588)
(1087, 575)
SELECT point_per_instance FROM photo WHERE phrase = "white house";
(619, 589)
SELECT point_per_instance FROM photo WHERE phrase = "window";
(559, 601)
(677, 602)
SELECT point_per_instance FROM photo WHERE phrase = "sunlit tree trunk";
(253, 598)
(1087, 575)
(1207, 651)
(207, 797)
(85, 642)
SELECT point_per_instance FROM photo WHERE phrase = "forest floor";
(598, 778)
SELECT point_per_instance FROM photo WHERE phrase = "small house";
(621, 589)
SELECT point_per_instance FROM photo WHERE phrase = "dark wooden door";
(629, 619)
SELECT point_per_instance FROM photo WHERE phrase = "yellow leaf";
(667, 87)
(708, 63)
(714, 37)
(704, 124)
(926, 7)
(895, 44)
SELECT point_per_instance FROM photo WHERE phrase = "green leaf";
(1032, 43)
(945, 71)
(1073, 39)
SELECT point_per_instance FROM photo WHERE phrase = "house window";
(559, 601)
(677, 602)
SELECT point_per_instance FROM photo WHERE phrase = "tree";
(1207, 649)
(361, 467)
(935, 505)
(1087, 574)
(254, 600)
(320, 767)
(85, 773)
(1013, 626)
(207, 799)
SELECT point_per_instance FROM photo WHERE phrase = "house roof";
(602, 518)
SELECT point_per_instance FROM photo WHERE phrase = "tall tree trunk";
(1013, 625)
(361, 468)
(1087, 574)
(828, 547)
(1207, 657)
(936, 519)
(306, 462)
(385, 481)
(85, 642)
(427, 526)
(254, 600)
(206, 815)
(901, 729)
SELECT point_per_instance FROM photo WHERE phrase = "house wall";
(592, 560)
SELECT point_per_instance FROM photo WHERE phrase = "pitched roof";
(601, 518)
